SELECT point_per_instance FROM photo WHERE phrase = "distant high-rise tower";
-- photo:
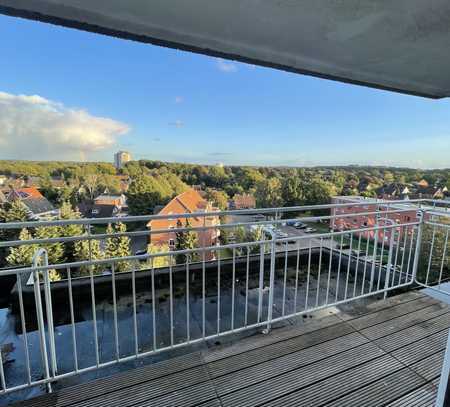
(120, 158)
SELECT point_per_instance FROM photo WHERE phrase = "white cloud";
(32, 127)
(226, 66)
(179, 99)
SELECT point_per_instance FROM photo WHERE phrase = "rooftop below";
(371, 353)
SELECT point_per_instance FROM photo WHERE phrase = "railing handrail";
(65, 239)
(256, 211)
(147, 256)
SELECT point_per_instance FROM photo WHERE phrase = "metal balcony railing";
(170, 299)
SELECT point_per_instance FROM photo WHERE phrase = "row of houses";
(56, 182)
(397, 190)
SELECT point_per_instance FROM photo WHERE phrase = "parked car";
(299, 225)
(310, 230)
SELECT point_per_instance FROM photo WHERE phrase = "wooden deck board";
(387, 353)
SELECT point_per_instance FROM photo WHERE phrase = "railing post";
(420, 215)
(443, 395)
(42, 253)
(50, 325)
(271, 282)
(41, 327)
(387, 277)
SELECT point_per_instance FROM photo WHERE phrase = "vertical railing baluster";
(381, 256)
(339, 268)
(430, 255)
(218, 291)
(2, 373)
(41, 326)
(188, 329)
(329, 269)
(297, 267)
(247, 272)
(204, 294)
(357, 265)
(410, 251)
(397, 250)
(94, 316)
(308, 275)
(233, 288)
(49, 310)
(152, 271)
(135, 326)
(363, 282)
(444, 254)
(171, 299)
(72, 320)
(271, 282)
(261, 282)
(24, 328)
(405, 231)
(319, 272)
(418, 246)
(114, 294)
(374, 257)
(283, 304)
(348, 266)
(389, 262)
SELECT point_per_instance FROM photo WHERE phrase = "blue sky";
(67, 94)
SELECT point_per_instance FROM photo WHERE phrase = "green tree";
(83, 251)
(143, 195)
(55, 251)
(268, 193)
(160, 261)
(118, 246)
(10, 212)
(292, 191)
(218, 198)
(185, 240)
(66, 212)
(22, 255)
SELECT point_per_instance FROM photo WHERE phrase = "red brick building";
(358, 221)
(188, 202)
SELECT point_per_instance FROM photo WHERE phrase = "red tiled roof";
(32, 192)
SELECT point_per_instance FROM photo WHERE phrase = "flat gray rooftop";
(383, 353)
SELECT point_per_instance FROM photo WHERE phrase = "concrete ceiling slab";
(401, 45)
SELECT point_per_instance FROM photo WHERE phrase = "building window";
(171, 243)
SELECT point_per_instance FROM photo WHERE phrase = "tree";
(159, 261)
(185, 240)
(292, 191)
(22, 255)
(83, 251)
(143, 195)
(91, 184)
(268, 193)
(10, 212)
(218, 198)
(55, 251)
(118, 246)
(66, 212)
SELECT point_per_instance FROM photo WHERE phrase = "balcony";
(350, 314)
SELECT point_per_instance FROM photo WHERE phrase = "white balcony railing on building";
(204, 293)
